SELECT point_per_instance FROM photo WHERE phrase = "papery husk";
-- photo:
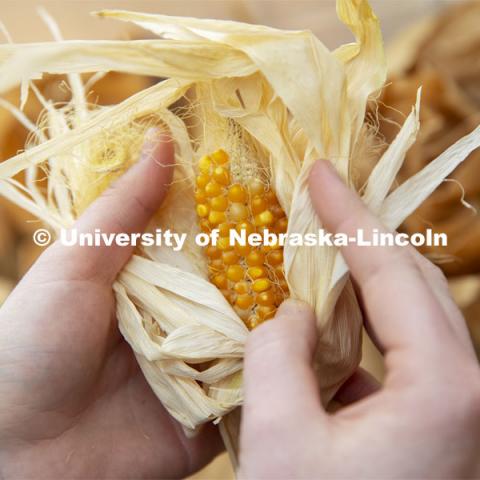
(276, 101)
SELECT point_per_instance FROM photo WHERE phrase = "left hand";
(73, 401)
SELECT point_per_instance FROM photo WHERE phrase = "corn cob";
(250, 278)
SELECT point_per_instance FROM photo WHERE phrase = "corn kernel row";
(251, 278)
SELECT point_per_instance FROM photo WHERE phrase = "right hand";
(425, 420)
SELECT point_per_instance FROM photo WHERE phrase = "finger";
(278, 376)
(125, 207)
(401, 307)
(439, 286)
(360, 385)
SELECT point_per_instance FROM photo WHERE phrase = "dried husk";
(276, 100)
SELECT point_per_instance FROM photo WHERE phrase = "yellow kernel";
(275, 257)
(279, 272)
(264, 219)
(212, 252)
(274, 246)
(243, 314)
(223, 244)
(221, 176)
(203, 210)
(219, 157)
(200, 196)
(204, 164)
(229, 257)
(247, 226)
(219, 203)
(242, 250)
(212, 189)
(277, 210)
(252, 322)
(229, 296)
(256, 272)
(220, 281)
(224, 229)
(202, 181)
(281, 225)
(238, 212)
(235, 273)
(216, 266)
(244, 301)
(255, 258)
(258, 204)
(265, 312)
(236, 193)
(261, 285)
(265, 298)
(216, 217)
(270, 197)
(256, 187)
(242, 287)
(279, 297)
(205, 225)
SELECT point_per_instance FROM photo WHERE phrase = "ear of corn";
(275, 101)
(252, 279)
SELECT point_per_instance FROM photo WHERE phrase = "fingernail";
(152, 138)
(150, 142)
(152, 135)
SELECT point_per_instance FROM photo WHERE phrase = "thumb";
(125, 207)
(278, 374)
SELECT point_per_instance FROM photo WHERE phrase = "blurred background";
(434, 43)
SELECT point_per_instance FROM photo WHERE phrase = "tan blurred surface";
(443, 59)
(17, 251)
(317, 15)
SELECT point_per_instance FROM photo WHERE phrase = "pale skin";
(74, 404)
(425, 420)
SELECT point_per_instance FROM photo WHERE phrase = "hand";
(73, 402)
(423, 423)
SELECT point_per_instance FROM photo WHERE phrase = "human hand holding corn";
(423, 423)
(73, 401)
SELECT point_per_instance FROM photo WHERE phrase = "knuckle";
(143, 206)
(378, 271)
